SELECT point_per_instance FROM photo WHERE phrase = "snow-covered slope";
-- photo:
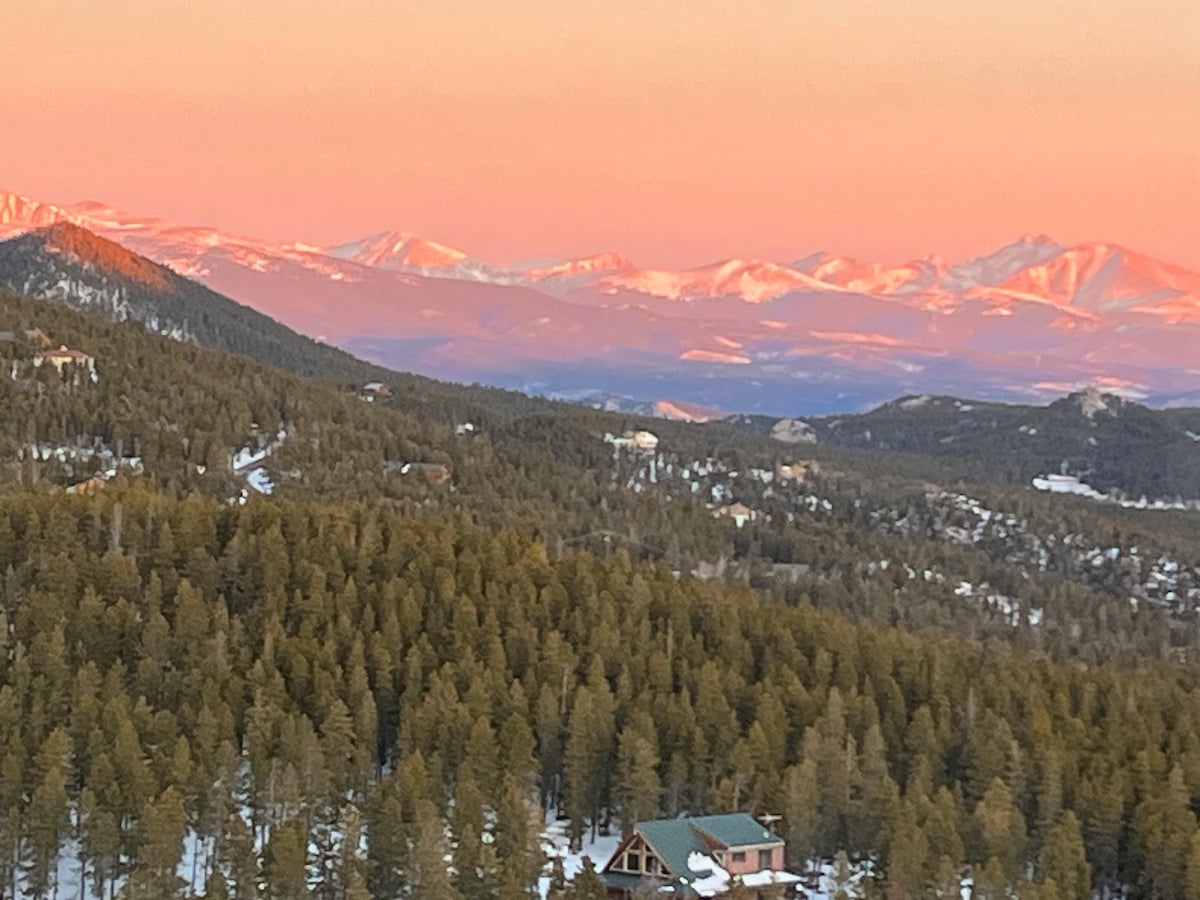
(1031, 318)
(873, 277)
(407, 252)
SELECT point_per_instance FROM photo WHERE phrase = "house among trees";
(88, 486)
(640, 441)
(63, 357)
(739, 512)
(434, 473)
(797, 471)
(703, 856)
(373, 389)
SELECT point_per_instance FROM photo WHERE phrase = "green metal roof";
(673, 840)
(735, 829)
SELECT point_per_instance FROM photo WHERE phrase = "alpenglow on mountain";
(817, 333)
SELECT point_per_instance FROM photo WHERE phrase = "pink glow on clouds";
(676, 131)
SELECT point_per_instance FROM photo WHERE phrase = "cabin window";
(764, 859)
(633, 862)
(652, 867)
(739, 856)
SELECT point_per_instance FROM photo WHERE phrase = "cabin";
(90, 486)
(63, 357)
(797, 471)
(646, 441)
(640, 441)
(739, 512)
(702, 856)
(433, 473)
(373, 389)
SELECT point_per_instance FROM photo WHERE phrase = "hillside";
(180, 647)
(1108, 442)
(188, 420)
(67, 263)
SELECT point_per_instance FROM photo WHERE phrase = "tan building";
(63, 357)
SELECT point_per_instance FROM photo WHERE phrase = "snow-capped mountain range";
(817, 332)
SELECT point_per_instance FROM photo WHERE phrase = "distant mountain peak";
(1027, 318)
(999, 265)
(398, 250)
(17, 211)
(608, 261)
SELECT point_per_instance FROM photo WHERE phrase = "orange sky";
(675, 131)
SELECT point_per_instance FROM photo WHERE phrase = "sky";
(677, 132)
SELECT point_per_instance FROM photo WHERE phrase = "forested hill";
(852, 535)
(1108, 442)
(70, 264)
(176, 411)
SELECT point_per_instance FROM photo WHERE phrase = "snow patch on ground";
(915, 402)
(259, 480)
(1070, 484)
(556, 844)
(247, 463)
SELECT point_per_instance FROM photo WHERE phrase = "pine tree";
(428, 875)
(472, 877)
(991, 882)
(1163, 826)
(1001, 830)
(163, 825)
(1064, 860)
(945, 880)
(589, 739)
(517, 843)
(800, 813)
(828, 744)
(1192, 883)
(876, 797)
(587, 884)
(236, 855)
(46, 820)
(286, 861)
(941, 821)
(99, 841)
(907, 864)
(637, 784)
(387, 841)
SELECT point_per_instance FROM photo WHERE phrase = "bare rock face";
(793, 431)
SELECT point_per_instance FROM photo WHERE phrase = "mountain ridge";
(403, 250)
(1033, 318)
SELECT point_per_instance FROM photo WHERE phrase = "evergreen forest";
(362, 682)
